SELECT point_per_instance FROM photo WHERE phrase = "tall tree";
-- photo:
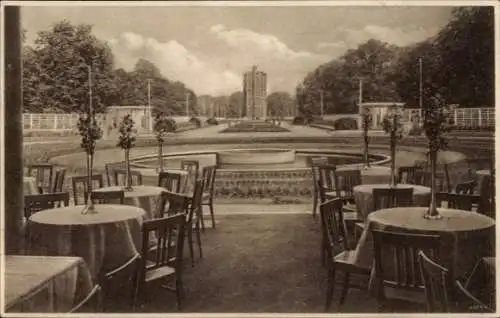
(61, 57)
(279, 104)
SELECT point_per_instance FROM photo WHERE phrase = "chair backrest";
(177, 203)
(487, 193)
(168, 233)
(466, 302)
(43, 173)
(208, 177)
(458, 201)
(79, 184)
(333, 229)
(37, 202)
(385, 198)
(400, 250)
(327, 177)
(345, 181)
(466, 187)
(59, 180)
(196, 201)
(108, 197)
(424, 178)
(120, 175)
(436, 284)
(91, 303)
(192, 166)
(170, 181)
(113, 281)
(406, 174)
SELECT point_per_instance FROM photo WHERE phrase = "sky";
(209, 48)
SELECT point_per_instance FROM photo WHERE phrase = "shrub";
(195, 121)
(345, 124)
(212, 121)
(416, 131)
(172, 124)
(298, 120)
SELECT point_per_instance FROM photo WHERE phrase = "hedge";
(345, 124)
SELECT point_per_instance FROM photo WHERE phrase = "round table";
(363, 196)
(150, 176)
(29, 184)
(105, 240)
(143, 196)
(464, 234)
(373, 174)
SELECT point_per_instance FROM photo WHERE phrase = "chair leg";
(190, 243)
(345, 289)
(179, 292)
(330, 288)
(200, 218)
(198, 237)
(315, 204)
(211, 206)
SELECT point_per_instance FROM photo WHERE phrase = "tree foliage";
(127, 136)
(279, 104)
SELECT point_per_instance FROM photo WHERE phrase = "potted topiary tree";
(90, 132)
(366, 120)
(392, 125)
(126, 141)
(161, 127)
(437, 121)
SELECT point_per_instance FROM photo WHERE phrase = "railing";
(462, 117)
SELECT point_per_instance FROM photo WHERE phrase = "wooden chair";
(487, 194)
(327, 180)
(466, 187)
(315, 163)
(169, 181)
(91, 303)
(177, 203)
(58, 183)
(400, 250)
(193, 220)
(80, 183)
(385, 198)
(108, 197)
(108, 172)
(169, 234)
(343, 261)
(345, 181)
(43, 174)
(113, 282)
(466, 302)
(208, 177)
(424, 178)
(458, 201)
(406, 174)
(38, 202)
(436, 284)
(121, 174)
(192, 167)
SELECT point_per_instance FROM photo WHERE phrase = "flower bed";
(254, 126)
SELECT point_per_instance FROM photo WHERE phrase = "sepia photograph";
(248, 158)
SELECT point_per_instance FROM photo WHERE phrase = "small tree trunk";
(366, 157)
(433, 213)
(89, 205)
(160, 155)
(128, 175)
(393, 159)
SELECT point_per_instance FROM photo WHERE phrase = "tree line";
(457, 64)
(57, 69)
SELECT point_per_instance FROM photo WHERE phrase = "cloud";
(175, 62)
(348, 38)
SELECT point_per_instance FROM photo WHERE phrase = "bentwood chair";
(108, 197)
(59, 180)
(208, 177)
(315, 163)
(436, 284)
(91, 303)
(193, 220)
(121, 174)
(171, 203)
(43, 174)
(345, 181)
(385, 198)
(118, 281)
(327, 180)
(406, 174)
(38, 202)
(169, 235)
(458, 201)
(337, 241)
(397, 273)
(192, 167)
(79, 184)
(466, 302)
(170, 181)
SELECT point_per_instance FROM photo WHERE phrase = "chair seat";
(346, 259)
(157, 273)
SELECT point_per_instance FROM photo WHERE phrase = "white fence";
(463, 117)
